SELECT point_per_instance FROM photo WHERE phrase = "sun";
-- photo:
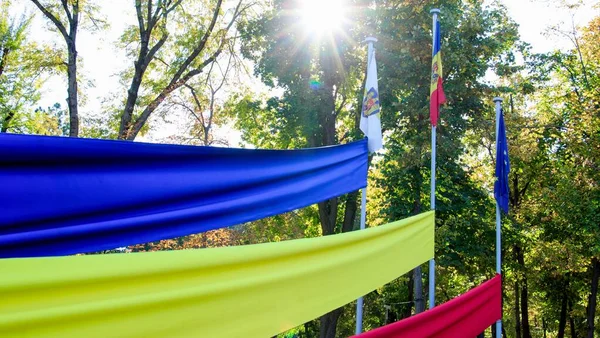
(322, 16)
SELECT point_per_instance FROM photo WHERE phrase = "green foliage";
(24, 67)
(551, 235)
(320, 76)
(18, 84)
(568, 213)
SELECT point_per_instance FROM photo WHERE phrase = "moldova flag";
(436, 90)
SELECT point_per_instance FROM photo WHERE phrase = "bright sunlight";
(322, 16)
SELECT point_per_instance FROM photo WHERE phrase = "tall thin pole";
(363, 206)
(435, 13)
(359, 301)
(498, 102)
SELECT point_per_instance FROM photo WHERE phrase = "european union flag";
(501, 190)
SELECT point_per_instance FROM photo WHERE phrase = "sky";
(535, 17)
(102, 60)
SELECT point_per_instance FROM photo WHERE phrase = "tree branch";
(66, 8)
(149, 17)
(200, 45)
(140, 17)
(155, 48)
(224, 74)
(75, 20)
(52, 18)
(171, 8)
(190, 110)
(198, 104)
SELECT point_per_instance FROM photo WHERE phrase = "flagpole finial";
(498, 99)
(370, 39)
(435, 11)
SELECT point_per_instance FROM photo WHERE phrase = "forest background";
(285, 74)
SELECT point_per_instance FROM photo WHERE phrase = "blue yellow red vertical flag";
(436, 90)
(501, 189)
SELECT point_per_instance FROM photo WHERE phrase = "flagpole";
(359, 302)
(435, 13)
(363, 207)
(498, 102)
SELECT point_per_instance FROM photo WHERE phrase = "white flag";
(370, 124)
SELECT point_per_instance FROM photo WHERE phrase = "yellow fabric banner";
(245, 291)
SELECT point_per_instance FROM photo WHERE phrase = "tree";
(12, 36)
(572, 107)
(163, 65)
(66, 18)
(24, 66)
(320, 79)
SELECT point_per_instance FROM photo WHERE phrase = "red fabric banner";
(465, 316)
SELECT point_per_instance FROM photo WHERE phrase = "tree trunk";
(525, 309)
(72, 100)
(591, 315)
(524, 294)
(145, 56)
(132, 95)
(350, 211)
(72, 88)
(411, 286)
(417, 273)
(418, 279)
(329, 323)
(517, 312)
(327, 216)
(562, 322)
(572, 322)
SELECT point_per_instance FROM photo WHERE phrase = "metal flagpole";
(435, 13)
(363, 206)
(359, 302)
(498, 102)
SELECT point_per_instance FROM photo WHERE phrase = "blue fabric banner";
(63, 196)
(501, 189)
